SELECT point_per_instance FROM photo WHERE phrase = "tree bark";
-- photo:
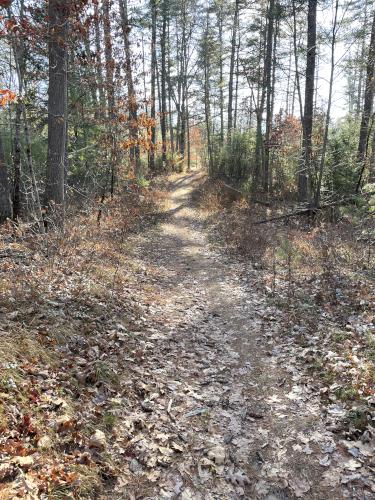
(207, 93)
(98, 65)
(153, 85)
(5, 202)
(58, 12)
(268, 86)
(221, 73)
(132, 96)
(110, 87)
(260, 100)
(367, 107)
(18, 46)
(231, 68)
(305, 170)
(183, 82)
(170, 90)
(328, 113)
(17, 173)
(237, 80)
(163, 83)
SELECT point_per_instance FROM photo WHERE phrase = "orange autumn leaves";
(144, 127)
(6, 96)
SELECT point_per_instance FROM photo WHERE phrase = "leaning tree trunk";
(58, 11)
(5, 203)
(367, 107)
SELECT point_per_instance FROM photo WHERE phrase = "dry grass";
(312, 272)
(55, 288)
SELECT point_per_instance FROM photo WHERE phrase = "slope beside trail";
(223, 413)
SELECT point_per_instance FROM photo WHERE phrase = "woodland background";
(276, 97)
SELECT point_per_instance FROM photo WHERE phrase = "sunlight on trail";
(250, 426)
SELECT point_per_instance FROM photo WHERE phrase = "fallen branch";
(305, 211)
(313, 210)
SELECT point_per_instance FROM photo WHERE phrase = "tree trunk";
(153, 86)
(58, 12)
(367, 107)
(188, 135)
(273, 81)
(260, 100)
(18, 46)
(207, 93)
(19, 51)
(132, 96)
(221, 74)
(109, 68)
(268, 87)
(171, 133)
(237, 81)
(183, 82)
(17, 196)
(297, 84)
(163, 77)
(328, 114)
(5, 203)
(99, 73)
(372, 158)
(287, 97)
(231, 68)
(90, 73)
(305, 171)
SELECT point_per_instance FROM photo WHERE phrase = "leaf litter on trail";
(167, 374)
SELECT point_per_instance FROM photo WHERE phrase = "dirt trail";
(224, 414)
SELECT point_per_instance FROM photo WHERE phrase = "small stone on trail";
(98, 440)
(239, 479)
(217, 455)
(44, 442)
(7, 471)
(24, 462)
(197, 411)
(63, 423)
(135, 466)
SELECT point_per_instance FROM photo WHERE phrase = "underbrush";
(320, 275)
(66, 307)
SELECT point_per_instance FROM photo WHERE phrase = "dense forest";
(187, 192)
(276, 95)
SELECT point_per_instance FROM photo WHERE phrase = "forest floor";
(185, 387)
